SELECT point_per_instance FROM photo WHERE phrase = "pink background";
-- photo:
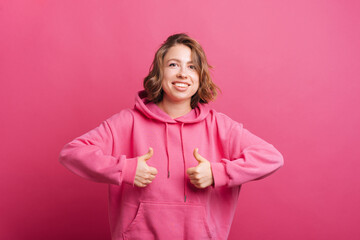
(288, 70)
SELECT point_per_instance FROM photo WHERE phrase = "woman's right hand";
(144, 173)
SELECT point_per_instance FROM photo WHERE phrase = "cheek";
(196, 80)
(165, 79)
(165, 72)
(165, 76)
(197, 86)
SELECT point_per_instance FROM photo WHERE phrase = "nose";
(181, 74)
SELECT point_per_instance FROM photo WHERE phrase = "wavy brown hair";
(153, 82)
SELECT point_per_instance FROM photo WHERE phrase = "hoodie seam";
(231, 136)
(112, 138)
(229, 141)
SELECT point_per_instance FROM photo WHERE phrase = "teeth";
(181, 84)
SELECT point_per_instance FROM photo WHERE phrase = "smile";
(181, 84)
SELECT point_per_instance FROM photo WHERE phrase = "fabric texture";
(170, 207)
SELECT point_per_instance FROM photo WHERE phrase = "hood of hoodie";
(152, 111)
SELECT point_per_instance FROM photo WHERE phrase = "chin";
(178, 97)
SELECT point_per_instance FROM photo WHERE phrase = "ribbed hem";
(219, 173)
(129, 170)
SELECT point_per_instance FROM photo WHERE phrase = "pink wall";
(288, 70)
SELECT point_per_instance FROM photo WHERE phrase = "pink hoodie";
(170, 207)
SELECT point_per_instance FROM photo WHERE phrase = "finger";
(192, 181)
(144, 182)
(201, 185)
(147, 182)
(147, 176)
(198, 185)
(149, 154)
(192, 178)
(195, 175)
(190, 171)
(201, 181)
(153, 170)
(196, 178)
(197, 156)
(139, 184)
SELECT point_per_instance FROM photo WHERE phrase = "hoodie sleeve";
(91, 155)
(251, 158)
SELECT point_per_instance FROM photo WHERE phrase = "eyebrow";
(177, 60)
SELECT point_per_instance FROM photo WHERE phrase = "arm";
(251, 158)
(91, 155)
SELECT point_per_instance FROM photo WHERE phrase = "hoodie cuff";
(129, 170)
(219, 174)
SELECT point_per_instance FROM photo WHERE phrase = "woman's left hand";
(201, 175)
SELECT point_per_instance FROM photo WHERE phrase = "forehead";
(180, 52)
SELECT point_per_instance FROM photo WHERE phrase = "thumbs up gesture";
(201, 175)
(144, 173)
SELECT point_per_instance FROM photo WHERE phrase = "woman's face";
(180, 80)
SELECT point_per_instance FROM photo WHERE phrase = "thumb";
(148, 155)
(198, 157)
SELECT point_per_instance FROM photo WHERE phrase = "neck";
(175, 109)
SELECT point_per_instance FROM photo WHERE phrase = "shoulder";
(124, 117)
(224, 120)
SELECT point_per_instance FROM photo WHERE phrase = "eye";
(172, 65)
(192, 67)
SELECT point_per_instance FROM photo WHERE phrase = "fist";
(144, 173)
(200, 176)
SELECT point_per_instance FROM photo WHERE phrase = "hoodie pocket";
(169, 221)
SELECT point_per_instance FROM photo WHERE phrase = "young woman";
(174, 166)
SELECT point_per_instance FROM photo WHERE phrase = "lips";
(180, 84)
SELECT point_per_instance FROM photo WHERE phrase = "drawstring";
(167, 149)
(183, 153)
